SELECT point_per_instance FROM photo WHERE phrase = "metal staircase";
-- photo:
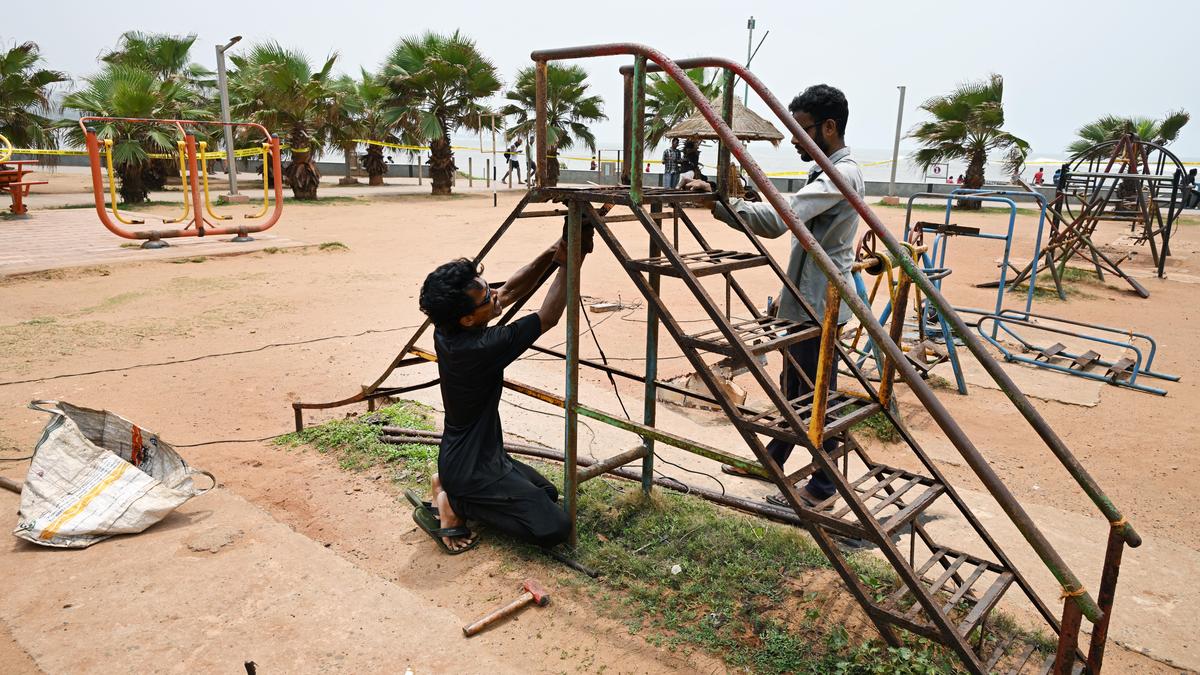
(945, 593)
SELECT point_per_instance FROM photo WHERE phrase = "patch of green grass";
(320, 200)
(879, 425)
(193, 259)
(121, 205)
(333, 246)
(355, 440)
(39, 321)
(130, 244)
(681, 572)
(272, 250)
(1072, 278)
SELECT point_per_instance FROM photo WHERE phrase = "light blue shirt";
(821, 208)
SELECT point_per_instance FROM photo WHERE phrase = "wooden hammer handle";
(511, 608)
(9, 484)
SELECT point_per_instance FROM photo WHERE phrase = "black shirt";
(471, 365)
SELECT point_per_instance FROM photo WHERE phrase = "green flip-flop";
(417, 502)
(428, 521)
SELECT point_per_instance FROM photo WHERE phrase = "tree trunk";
(441, 166)
(348, 158)
(974, 179)
(375, 165)
(302, 171)
(552, 166)
(133, 187)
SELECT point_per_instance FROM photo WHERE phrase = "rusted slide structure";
(945, 593)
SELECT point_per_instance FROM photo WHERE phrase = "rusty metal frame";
(790, 414)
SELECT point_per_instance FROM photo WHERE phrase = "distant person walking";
(1039, 177)
(1057, 175)
(511, 155)
(671, 159)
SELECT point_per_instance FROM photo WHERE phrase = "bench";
(12, 181)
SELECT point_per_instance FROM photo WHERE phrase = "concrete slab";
(101, 609)
(59, 238)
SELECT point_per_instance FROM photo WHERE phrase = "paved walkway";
(57, 238)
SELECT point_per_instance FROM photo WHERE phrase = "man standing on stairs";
(822, 111)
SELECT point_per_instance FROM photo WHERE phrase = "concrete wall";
(575, 176)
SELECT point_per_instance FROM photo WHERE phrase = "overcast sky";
(1055, 78)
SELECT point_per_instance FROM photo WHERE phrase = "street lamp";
(891, 195)
(230, 165)
(750, 54)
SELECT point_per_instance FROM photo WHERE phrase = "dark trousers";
(807, 354)
(522, 504)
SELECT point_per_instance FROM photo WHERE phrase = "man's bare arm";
(522, 282)
(556, 301)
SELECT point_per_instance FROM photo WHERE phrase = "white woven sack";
(95, 474)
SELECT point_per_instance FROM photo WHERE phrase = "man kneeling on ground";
(476, 478)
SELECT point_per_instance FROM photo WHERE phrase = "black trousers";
(522, 504)
(807, 354)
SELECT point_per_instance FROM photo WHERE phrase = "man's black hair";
(823, 102)
(444, 297)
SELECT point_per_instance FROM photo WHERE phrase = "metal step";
(842, 412)
(965, 587)
(893, 496)
(1017, 655)
(759, 336)
(701, 263)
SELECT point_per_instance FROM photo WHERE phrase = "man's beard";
(820, 141)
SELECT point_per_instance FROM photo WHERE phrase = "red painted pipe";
(200, 229)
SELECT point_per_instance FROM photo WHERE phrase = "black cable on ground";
(617, 391)
(207, 356)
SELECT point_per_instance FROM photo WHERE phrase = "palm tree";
(374, 119)
(1112, 127)
(569, 109)
(277, 88)
(344, 122)
(128, 91)
(667, 105)
(168, 57)
(966, 125)
(437, 81)
(25, 98)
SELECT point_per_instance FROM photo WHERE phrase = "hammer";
(534, 593)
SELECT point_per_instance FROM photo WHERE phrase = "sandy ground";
(349, 543)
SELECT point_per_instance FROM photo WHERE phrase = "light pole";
(892, 198)
(230, 160)
(750, 53)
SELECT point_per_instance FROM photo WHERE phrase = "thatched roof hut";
(747, 125)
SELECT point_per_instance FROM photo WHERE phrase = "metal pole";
(571, 403)
(749, 56)
(723, 149)
(637, 132)
(223, 85)
(543, 146)
(896, 145)
(470, 172)
(650, 404)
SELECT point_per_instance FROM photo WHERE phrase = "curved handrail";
(204, 175)
(1058, 567)
(112, 184)
(199, 225)
(6, 148)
